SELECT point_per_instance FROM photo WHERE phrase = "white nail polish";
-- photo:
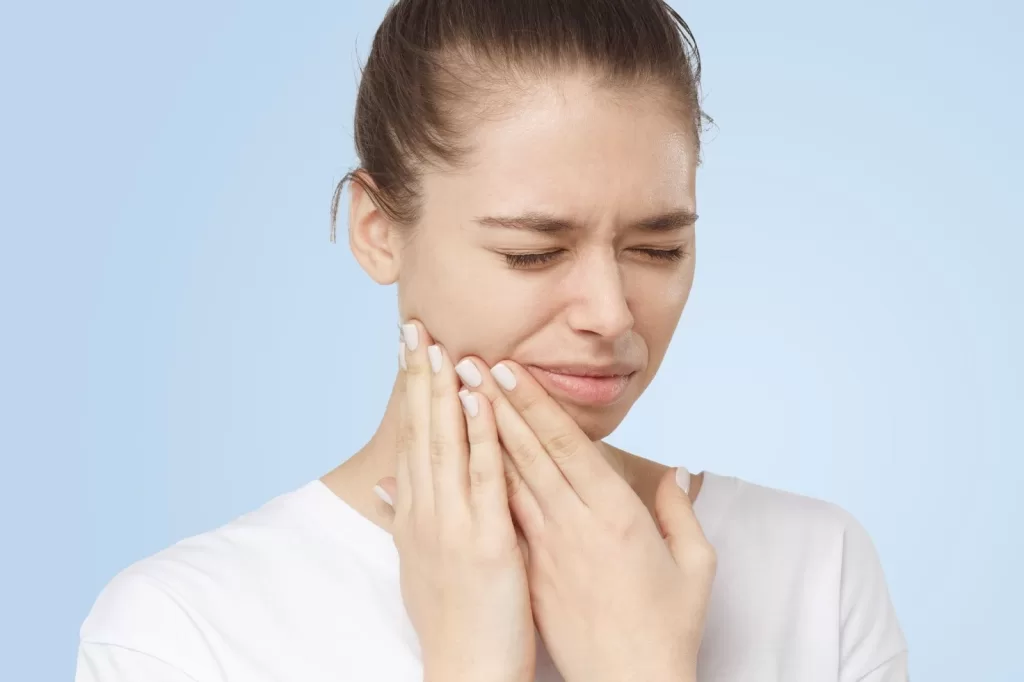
(469, 374)
(411, 336)
(383, 494)
(469, 403)
(434, 355)
(504, 376)
(683, 479)
(401, 355)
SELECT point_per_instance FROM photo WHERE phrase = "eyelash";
(527, 260)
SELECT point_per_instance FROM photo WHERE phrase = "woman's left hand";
(613, 598)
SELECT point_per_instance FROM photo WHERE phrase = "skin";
(603, 160)
(475, 588)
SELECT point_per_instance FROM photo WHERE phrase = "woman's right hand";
(462, 570)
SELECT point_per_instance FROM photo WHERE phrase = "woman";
(527, 179)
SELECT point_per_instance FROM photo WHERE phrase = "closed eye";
(670, 255)
(528, 260)
(524, 261)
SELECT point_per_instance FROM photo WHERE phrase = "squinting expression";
(566, 244)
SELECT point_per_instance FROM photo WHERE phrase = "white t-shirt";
(307, 589)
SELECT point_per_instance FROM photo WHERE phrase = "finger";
(678, 523)
(493, 489)
(449, 453)
(417, 419)
(526, 510)
(403, 442)
(569, 447)
(387, 490)
(524, 546)
(550, 488)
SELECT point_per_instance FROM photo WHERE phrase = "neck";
(354, 479)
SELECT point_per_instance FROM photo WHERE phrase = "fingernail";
(468, 372)
(383, 494)
(401, 355)
(411, 335)
(504, 376)
(434, 355)
(683, 479)
(469, 403)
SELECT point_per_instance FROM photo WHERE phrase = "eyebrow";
(548, 224)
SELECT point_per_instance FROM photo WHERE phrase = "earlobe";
(370, 234)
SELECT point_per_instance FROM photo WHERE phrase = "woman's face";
(566, 244)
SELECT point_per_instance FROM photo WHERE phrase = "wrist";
(438, 676)
(663, 675)
(448, 674)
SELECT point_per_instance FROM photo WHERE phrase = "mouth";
(586, 385)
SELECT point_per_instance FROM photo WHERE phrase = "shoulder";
(821, 543)
(729, 505)
(765, 518)
(138, 616)
(164, 605)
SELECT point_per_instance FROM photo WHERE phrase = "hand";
(462, 570)
(612, 597)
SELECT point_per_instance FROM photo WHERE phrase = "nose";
(598, 299)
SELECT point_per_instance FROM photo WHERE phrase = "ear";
(372, 237)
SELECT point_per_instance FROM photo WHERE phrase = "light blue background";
(181, 342)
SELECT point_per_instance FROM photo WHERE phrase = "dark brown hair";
(436, 66)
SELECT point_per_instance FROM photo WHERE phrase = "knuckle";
(701, 558)
(477, 436)
(416, 368)
(405, 438)
(479, 478)
(440, 446)
(439, 388)
(513, 481)
(710, 558)
(513, 484)
(529, 403)
(474, 438)
(562, 446)
(624, 520)
(621, 526)
(522, 454)
(501, 405)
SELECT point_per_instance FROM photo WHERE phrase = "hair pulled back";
(437, 66)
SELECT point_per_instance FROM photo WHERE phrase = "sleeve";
(113, 663)
(893, 670)
(140, 630)
(872, 644)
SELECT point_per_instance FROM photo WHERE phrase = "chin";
(597, 423)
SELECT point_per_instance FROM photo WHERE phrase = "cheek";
(657, 303)
(468, 302)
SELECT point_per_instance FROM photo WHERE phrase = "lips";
(586, 385)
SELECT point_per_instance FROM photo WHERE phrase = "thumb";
(387, 490)
(524, 546)
(674, 512)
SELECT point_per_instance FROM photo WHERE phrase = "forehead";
(571, 146)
